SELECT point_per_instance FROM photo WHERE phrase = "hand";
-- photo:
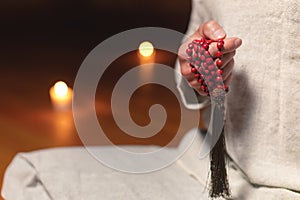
(211, 30)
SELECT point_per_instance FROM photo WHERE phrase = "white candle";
(61, 96)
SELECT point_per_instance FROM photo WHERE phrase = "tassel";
(219, 182)
(209, 75)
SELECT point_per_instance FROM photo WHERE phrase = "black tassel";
(195, 54)
(219, 182)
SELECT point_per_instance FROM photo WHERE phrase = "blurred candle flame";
(61, 96)
(146, 56)
(146, 49)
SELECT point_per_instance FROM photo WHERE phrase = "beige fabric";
(263, 109)
(71, 173)
(241, 187)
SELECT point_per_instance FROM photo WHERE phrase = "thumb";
(212, 30)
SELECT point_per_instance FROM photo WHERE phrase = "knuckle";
(194, 84)
(185, 71)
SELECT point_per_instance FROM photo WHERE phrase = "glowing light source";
(61, 89)
(61, 96)
(146, 49)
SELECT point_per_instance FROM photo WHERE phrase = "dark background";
(44, 34)
(43, 41)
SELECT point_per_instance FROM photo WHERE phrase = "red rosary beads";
(208, 72)
(202, 64)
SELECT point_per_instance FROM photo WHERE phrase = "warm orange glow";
(61, 89)
(146, 49)
(61, 96)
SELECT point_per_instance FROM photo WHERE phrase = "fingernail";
(220, 33)
(238, 42)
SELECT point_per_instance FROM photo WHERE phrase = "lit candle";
(146, 53)
(61, 96)
(146, 49)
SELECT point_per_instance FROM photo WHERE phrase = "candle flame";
(146, 49)
(61, 89)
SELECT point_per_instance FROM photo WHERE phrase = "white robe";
(263, 110)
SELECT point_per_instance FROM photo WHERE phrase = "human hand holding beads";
(220, 50)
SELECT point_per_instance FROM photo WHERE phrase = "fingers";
(211, 30)
(185, 69)
(201, 92)
(227, 58)
(230, 45)
(227, 70)
(227, 75)
(198, 89)
(196, 86)
(228, 80)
